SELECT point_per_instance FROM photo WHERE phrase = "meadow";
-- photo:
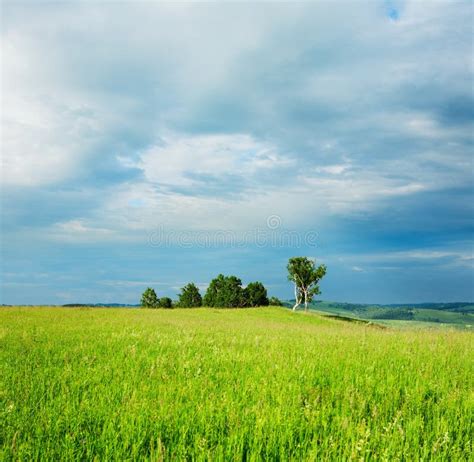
(223, 384)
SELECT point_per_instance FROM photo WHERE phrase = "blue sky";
(136, 135)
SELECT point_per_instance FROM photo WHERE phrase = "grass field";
(248, 384)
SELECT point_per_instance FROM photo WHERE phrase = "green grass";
(249, 384)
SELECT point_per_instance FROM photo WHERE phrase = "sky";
(154, 144)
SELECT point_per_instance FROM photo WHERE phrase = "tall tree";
(302, 271)
(225, 291)
(149, 299)
(255, 294)
(190, 296)
(212, 296)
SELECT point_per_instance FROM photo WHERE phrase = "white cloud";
(80, 231)
(358, 191)
(47, 128)
(180, 160)
(41, 142)
(336, 169)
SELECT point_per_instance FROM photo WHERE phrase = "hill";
(460, 314)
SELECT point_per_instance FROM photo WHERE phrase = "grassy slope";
(429, 316)
(228, 385)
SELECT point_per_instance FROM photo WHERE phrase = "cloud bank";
(353, 120)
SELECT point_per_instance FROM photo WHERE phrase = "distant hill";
(459, 314)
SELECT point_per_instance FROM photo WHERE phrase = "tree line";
(228, 292)
(223, 291)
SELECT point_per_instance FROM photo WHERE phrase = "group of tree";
(223, 291)
(151, 300)
(228, 292)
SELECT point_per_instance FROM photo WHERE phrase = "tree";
(304, 274)
(149, 299)
(274, 301)
(190, 296)
(225, 291)
(165, 302)
(255, 294)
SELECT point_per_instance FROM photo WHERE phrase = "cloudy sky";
(153, 144)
